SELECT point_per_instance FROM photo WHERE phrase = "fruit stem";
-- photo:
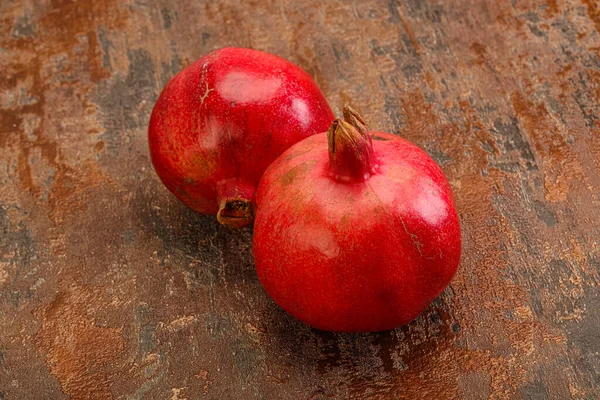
(350, 147)
(236, 203)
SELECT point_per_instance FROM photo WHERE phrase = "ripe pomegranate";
(355, 231)
(220, 122)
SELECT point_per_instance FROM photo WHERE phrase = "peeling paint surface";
(110, 288)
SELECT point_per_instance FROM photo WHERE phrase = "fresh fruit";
(220, 122)
(355, 231)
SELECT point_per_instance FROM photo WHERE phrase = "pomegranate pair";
(354, 230)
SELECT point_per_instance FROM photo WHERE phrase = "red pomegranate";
(355, 231)
(220, 122)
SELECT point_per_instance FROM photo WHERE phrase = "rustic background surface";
(110, 288)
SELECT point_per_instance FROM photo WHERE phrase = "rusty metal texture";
(111, 289)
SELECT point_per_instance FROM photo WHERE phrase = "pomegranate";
(355, 231)
(221, 121)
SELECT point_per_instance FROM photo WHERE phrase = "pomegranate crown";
(350, 147)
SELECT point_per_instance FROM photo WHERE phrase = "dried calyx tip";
(353, 118)
(343, 133)
(350, 147)
(235, 198)
(331, 132)
(236, 213)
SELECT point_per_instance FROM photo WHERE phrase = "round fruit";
(220, 122)
(356, 231)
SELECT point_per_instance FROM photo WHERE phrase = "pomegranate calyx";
(350, 148)
(235, 212)
(352, 117)
(236, 203)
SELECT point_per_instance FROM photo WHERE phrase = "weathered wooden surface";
(110, 288)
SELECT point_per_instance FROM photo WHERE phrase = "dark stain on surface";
(594, 262)
(167, 19)
(18, 250)
(24, 26)
(545, 214)
(179, 229)
(146, 324)
(438, 156)
(405, 57)
(217, 324)
(394, 111)
(432, 12)
(247, 360)
(559, 267)
(106, 47)
(534, 390)
(169, 70)
(585, 100)
(394, 12)
(512, 139)
(205, 38)
(583, 338)
(535, 29)
(122, 99)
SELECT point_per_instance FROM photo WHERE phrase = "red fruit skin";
(221, 121)
(362, 256)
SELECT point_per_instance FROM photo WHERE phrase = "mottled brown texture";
(110, 288)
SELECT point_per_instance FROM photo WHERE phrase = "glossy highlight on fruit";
(356, 231)
(221, 121)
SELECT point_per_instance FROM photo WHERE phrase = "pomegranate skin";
(362, 255)
(220, 122)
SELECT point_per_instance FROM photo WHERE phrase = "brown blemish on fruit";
(294, 173)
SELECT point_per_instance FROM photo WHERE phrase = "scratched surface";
(110, 288)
